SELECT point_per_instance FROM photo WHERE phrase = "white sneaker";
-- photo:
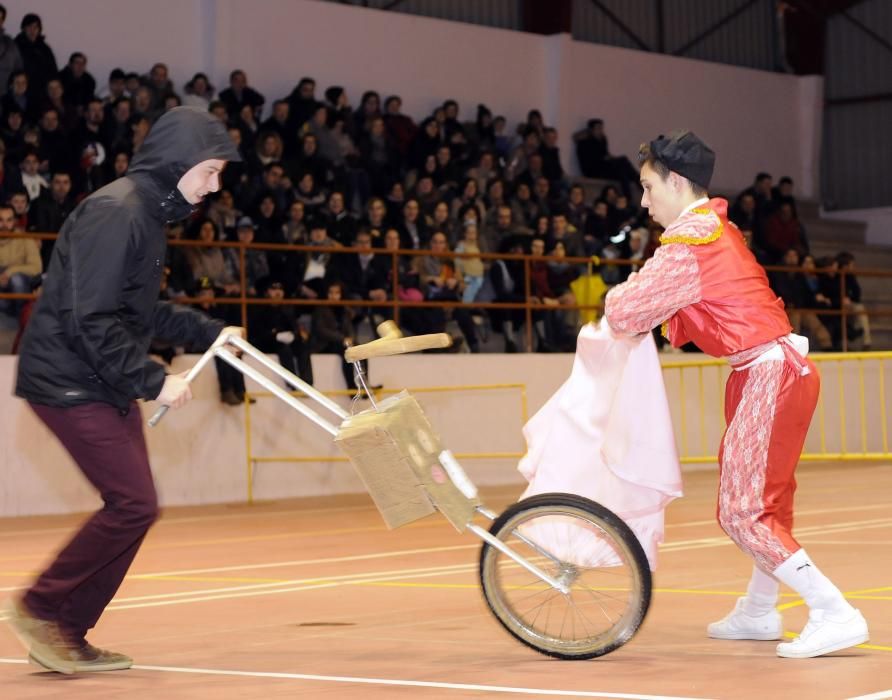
(823, 636)
(738, 625)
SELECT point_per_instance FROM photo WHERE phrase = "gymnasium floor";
(315, 598)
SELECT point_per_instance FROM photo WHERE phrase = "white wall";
(199, 453)
(878, 220)
(754, 120)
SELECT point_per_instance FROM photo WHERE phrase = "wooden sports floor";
(315, 598)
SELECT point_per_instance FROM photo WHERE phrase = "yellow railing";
(852, 407)
(253, 460)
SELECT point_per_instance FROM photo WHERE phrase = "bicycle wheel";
(584, 546)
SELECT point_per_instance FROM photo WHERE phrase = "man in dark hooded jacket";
(83, 365)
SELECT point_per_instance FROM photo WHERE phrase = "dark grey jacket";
(90, 332)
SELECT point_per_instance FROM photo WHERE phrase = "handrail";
(396, 304)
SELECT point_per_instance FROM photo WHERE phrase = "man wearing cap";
(705, 286)
(83, 365)
(256, 262)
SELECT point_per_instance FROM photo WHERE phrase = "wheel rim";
(608, 595)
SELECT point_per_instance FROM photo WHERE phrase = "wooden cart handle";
(392, 342)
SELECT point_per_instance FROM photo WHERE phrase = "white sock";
(761, 594)
(818, 592)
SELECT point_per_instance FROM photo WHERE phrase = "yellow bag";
(589, 290)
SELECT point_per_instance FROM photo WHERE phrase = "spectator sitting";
(256, 263)
(799, 300)
(338, 103)
(524, 210)
(400, 127)
(19, 263)
(428, 197)
(294, 230)
(760, 191)
(13, 135)
(231, 381)
(239, 94)
(332, 331)
(519, 161)
(507, 277)
(276, 329)
(369, 108)
(115, 87)
(783, 192)
(375, 218)
(223, 213)
(198, 92)
(413, 231)
(302, 102)
(310, 193)
(342, 226)
(78, 84)
(504, 141)
(783, 231)
(858, 322)
(19, 98)
(823, 274)
(441, 280)
(20, 204)
(471, 269)
(316, 272)
(470, 197)
(279, 123)
(10, 58)
(55, 100)
(596, 161)
(441, 220)
(572, 239)
(37, 56)
(551, 157)
(208, 262)
(502, 228)
(160, 85)
(49, 211)
(743, 215)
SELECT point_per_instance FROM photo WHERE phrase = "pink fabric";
(744, 464)
(669, 281)
(606, 434)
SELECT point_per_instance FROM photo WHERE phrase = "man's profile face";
(660, 198)
(201, 179)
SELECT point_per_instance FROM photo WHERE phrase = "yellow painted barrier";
(857, 400)
(866, 415)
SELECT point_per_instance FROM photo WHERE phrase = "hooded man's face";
(200, 180)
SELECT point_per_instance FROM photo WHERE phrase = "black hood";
(179, 140)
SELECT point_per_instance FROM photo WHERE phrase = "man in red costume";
(708, 288)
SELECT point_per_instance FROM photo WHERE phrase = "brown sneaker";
(44, 640)
(88, 658)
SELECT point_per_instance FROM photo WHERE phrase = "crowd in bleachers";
(318, 171)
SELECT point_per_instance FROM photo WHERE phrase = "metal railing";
(587, 265)
(853, 407)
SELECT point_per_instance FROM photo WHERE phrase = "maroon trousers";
(110, 450)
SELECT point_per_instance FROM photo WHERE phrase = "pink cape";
(606, 434)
